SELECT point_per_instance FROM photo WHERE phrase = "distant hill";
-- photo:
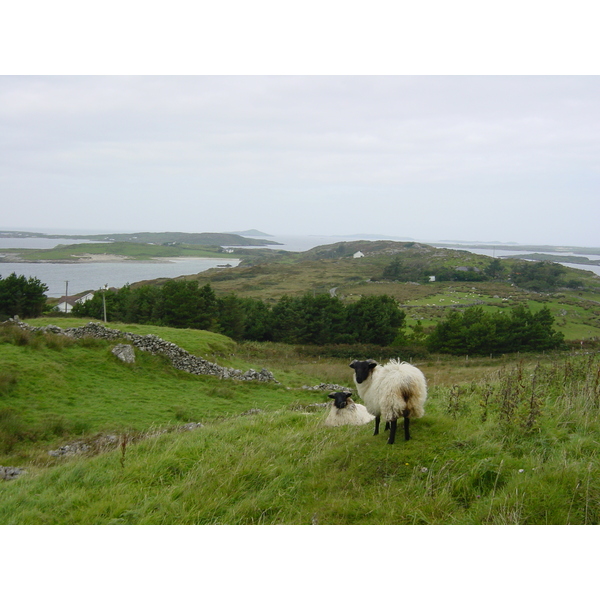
(200, 239)
(251, 232)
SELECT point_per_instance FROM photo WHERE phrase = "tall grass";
(517, 446)
(503, 442)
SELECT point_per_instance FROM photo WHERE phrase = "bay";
(92, 276)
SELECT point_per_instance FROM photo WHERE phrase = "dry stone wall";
(181, 359)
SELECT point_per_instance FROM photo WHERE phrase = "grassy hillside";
(505, 441)
(54, 385)
(332, 269)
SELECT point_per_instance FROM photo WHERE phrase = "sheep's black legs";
(392, 437)
(392, 425)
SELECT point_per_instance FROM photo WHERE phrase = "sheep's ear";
(348, 394)
(351, 365)
(332, 395)
(372, 363)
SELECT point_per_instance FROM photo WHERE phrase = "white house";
(63, 306)
(358, 254)
(66, 304)
(85, 297)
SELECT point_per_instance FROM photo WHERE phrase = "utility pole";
(66, 294)
(104, 299)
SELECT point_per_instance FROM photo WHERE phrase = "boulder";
(124, 352)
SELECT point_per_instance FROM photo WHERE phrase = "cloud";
(300, 154)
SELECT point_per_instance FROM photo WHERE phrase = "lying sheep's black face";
(362, 369)
(340, 399)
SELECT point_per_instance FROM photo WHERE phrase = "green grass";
(503, 442)
(207, 344)
(54, 387)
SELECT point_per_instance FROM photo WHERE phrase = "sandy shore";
(107, 258)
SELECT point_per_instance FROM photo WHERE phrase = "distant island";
(519, 247)
(199, 239)
(575, 260)
(251, 232)
(131, 246)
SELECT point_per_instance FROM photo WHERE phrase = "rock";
(10, 472)
(71, 449)
(327, 387)
(190, 426)
(124, 352)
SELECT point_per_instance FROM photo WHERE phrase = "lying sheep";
(391, 391)
(345, 411)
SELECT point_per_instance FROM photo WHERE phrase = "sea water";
(83, 277)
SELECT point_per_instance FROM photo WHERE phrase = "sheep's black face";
(362, 369)
(340, 399)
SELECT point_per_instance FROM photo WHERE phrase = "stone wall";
(181, 359)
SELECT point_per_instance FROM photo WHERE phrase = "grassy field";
(504, 441)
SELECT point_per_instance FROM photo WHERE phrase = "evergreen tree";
(258, 321)
(323, 319)
(22, 296)
(185, 305)
(231, 316)
(374, 320)
(286, 320)
(478, 332)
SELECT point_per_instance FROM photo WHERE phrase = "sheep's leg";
(406, 414)
(377, 421)
(387, 425)
(392, 437)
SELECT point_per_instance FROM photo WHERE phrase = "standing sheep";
(394, 390)
(345, 411)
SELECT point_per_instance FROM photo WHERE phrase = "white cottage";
(358, 254)
(66, 304)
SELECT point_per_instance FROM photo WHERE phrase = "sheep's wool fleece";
(352, 414)
(393, 387)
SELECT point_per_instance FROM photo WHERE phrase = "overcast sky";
(491, 158)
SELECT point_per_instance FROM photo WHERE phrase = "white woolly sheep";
(397, 389)
(345, 411)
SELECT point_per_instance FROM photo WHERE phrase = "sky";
(425, 153)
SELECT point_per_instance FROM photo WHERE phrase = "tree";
(258, 321)
(375, 320)
(540, 276)
(184, 305)
(323, 319)
(231, 316)
(495, 269)
(286, 320)
(399, 270)
(22, 296)
(143, 305)
(478, 332)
